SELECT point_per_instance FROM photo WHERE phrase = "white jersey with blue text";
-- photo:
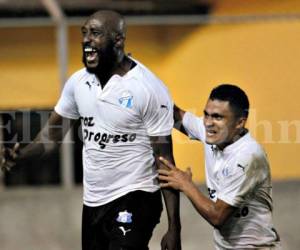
(117, 122)
(240, 176)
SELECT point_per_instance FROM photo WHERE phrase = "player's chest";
(113, 105)
(219, 169)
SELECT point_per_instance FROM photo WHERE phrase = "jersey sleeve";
(66, 105)
(246, 174)
(158, 112)
(194, 126)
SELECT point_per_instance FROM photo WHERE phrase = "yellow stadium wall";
(29, 73)
(261, 57)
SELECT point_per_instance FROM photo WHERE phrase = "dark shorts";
(126, 223)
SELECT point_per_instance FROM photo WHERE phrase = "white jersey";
(240, 176)
(116, 124)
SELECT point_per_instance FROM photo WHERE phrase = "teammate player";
(237, 173)
(127, 116)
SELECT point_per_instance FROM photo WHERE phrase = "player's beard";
(106, 59)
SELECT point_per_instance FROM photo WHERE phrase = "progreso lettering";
(103, 138)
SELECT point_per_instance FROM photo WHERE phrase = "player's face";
(97, 45)
(221, 124)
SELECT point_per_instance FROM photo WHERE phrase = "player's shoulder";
(251, 151)
(77, 79)
(253, 146)
(147, 78)
(79, 75)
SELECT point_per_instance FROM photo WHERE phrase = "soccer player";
(126, 114)
(237, 171)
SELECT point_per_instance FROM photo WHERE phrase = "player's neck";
(121, 67)
(235, 138)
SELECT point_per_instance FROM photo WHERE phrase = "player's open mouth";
(90, 53)
(210, 132)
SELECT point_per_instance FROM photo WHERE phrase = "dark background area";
(23, 126)
(79, 8)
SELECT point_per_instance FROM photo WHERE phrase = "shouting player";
(126, 114)
(238, 177)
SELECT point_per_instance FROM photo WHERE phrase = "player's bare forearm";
(171, 198)
(35, 149)
(162, 146)
(49, 138)
(45, 142)
(215, 213)
(30, 152)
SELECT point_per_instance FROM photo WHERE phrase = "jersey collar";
(131, 73)
(232, 147)
(236, 145)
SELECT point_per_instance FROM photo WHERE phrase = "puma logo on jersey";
(124, 231)
(88, 83)
(225, 172)
(242, 167)
(164, 107)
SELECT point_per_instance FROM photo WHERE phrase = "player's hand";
(174, 177)
(171, 240)
(8, 157)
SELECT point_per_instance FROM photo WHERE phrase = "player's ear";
(241, 122)
(119, 41)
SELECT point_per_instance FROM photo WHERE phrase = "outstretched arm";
(216, 213)
(162, 146)
(45, 142)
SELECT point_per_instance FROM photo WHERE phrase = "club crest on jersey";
(124, 217)
(225, 172)
(126, 100)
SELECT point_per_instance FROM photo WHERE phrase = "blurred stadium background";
(192, 45)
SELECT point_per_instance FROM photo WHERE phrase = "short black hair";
(236, 97)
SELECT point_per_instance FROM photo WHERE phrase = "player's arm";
(178, 114)
(162, 146)
(48, 139)
(216, 213)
